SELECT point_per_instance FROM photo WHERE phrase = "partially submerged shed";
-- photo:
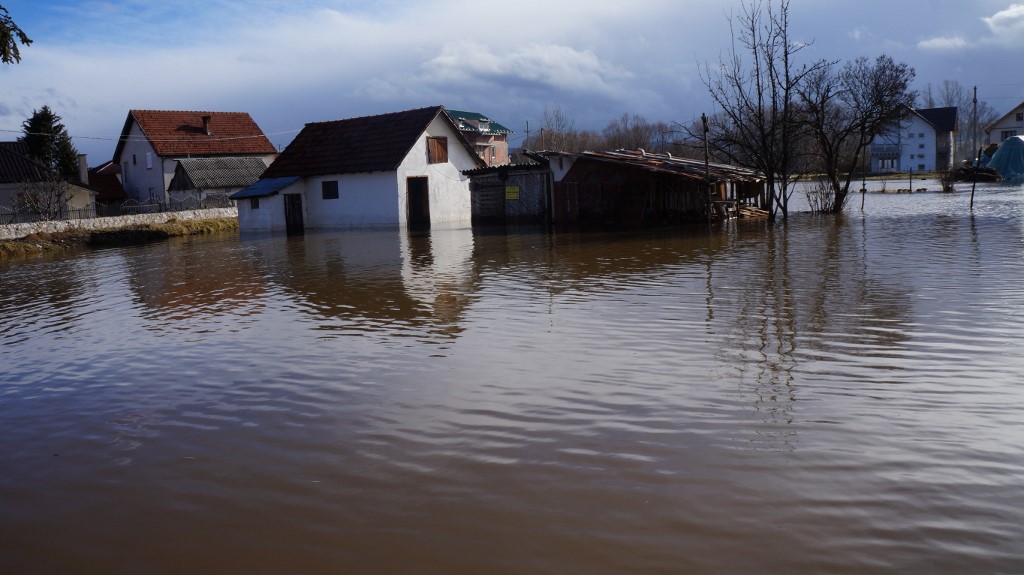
(510, 194)
(633, 187)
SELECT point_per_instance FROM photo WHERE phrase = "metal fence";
(22, 215)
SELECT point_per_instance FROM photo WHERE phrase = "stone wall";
(15, 231)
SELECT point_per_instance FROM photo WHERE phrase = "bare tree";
(969, 119)
(630, 133)
(48, 197)
(844, 109)
(755, 89)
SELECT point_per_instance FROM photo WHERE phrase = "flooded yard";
(830, 395)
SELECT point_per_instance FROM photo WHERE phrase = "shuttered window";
(437, 150)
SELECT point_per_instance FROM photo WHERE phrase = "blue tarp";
(1009, 159)
(265, 187)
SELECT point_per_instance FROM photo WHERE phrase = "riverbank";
(51, 242)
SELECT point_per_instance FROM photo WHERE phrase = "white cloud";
(552, 65)
(1007, 26)
(943, 43)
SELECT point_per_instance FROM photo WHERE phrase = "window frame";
(437, 149)
(329, 190)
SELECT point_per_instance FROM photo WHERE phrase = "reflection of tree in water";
(185, 280)
(795, 294)
(40, 296)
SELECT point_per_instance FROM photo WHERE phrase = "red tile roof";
(173, 133)
(366, 144)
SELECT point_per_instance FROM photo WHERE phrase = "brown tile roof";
(15, 165)
(356, 145)
(173, 133)
(104, 179)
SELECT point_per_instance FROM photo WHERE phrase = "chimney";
(206, 125)
(83, 170)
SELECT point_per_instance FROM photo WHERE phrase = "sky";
(289, 63)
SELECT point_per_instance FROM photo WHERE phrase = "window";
(921, 146)
(920, 156)
(329, 190)
(920, 135)
(437, 150)
(127, 175)
(254, 203)
(134, 160)
(149, 160)
(1020, 116)
(1007, 134)
(910, 135)
(920, 167)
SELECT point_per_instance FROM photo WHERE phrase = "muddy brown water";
(834, 395)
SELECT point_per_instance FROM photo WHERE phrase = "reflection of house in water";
(185, 279)
(371, 279)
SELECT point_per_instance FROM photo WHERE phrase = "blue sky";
(288, 63)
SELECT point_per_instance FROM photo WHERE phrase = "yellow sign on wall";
(511, 192)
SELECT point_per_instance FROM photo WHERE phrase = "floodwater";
(834, 395)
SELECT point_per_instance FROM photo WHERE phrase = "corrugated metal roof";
(472, 122)
(207, 173)
(265, 187)
(15, 165)
(667, 163)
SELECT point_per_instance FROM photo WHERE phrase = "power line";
(145, 139)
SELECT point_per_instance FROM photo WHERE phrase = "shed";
(635, 188)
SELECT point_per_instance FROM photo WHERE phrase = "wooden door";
(418, 201)
(293, 214)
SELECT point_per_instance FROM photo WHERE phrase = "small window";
(329, 190)
(254, 203)
(149, 160)
(437, 150)
(921, 146)
(1007, 134)
(920, 135)
(920, 156)
(135, 160)
(1020, 116)
(910, 135)
(920, 167)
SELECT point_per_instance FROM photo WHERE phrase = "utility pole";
(974, 121)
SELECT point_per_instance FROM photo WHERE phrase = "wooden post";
(707, 163)
(977, 166)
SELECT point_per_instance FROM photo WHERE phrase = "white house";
(152, 142)
(1010, 125)
(401, 168)
(20, 175)
(923, 142)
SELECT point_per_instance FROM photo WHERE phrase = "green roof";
(469, 122)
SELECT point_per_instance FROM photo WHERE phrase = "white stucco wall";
(994, 133)
(916, 138)
(368, 199)
(449, 189)
(139, 181)
(269, 217)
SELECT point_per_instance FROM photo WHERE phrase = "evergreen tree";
(10, 35)
(49, 143)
